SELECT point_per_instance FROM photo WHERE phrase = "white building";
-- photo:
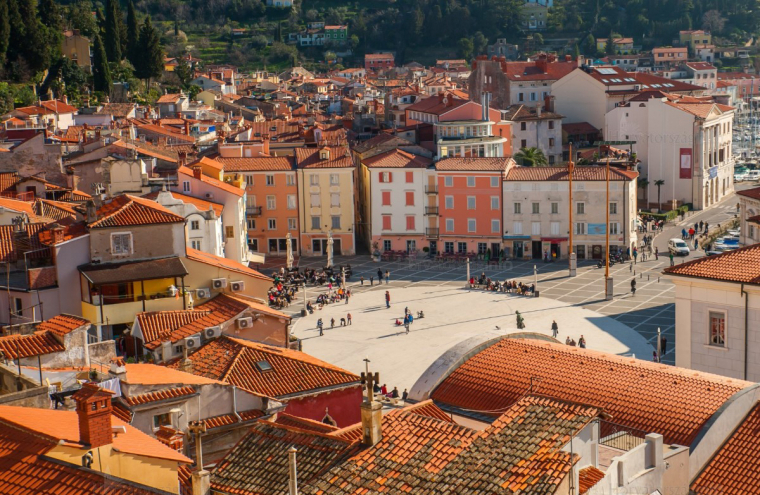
(203, 220)
(749, 215)
(536, 211)
(208, 83)
(468, 139)
(717, 310)
(684, 141)
(536, 128)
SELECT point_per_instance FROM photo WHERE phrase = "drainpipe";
(746, 328)
(234, 403)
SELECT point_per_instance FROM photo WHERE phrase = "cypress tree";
(50, 15)
(133, 34)
(101, 20)
(113, 34)
(17, 31)
(151, 62)
(34, 49)
(101, 74)
(5, 31)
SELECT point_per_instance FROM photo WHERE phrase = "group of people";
(393, 394)
(646, 220)
(581, 342)
(344, 322)
(280, 295)
(329, 297)
(509, 286)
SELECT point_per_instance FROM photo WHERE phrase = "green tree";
(113, 32)
(5, 33)
(480, 43)
(659, 183)
(133, 34)
(101, 21)
(50, 15)
(184, 73)
(151, 62)
(80, 17)
(531, 157)
(101, 74)
(576, 52)
(609, 48)
(415, 23)
(37, 44)
(643, 184)
(465, 48)
(589, 45)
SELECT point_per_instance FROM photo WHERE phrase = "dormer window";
(324, 154)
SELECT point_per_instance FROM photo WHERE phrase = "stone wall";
(39, 278)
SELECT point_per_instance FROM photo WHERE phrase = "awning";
(516, 237)
(133, 271)
(554, 239)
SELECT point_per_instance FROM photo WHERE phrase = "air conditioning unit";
(193, 342)
(219, 283)
(203, 293)
(238, 286)
(209, 195)
(212, 332)
(244, 322)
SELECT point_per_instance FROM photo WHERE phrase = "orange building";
(271, 201)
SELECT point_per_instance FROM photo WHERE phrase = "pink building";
(375, 61)
(746, 84)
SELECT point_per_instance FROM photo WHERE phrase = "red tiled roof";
(62, 324)
(8, 249)
(310, 158)
(167, 132)
(57, 106)
(8, 181)
(628, 389)
(378, 56)
(35, 344)
(237, 191)
(56, 210)
(170, 98)
(199, 203)
(397, 159)
(735, 467)
(126, 210)
(435, 105)
(588, 477)
(586, 172)
(234, 361)
(530, 71)
(121, 411)
(223, 263)
(579, 128)
(165, 394)
(228, 419)
(304, 424)
(475, 164)
(153, 374)
(257, 164)
(644, 80)
(753, 193)
(157, 326)
(739, 266)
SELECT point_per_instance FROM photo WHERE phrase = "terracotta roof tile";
(234, 361)
(126, 210)
(628, 389)
(237, 191)
(121, 411)
(435, 105)
(62, 324)
(585, 173)
(8, 249)
(169, 98)
(257, 164)
(224, 263)
(35, 344)
(57, 106)
(588, 477)
(304, 424)
(740, 266)
(475, 164)
(397, 159)
(56, 210)
(165, 394)
(168, 132)
(530, 71)
(199, 203)
(8, 181)
(153, 374)
(228, 419)
(310, 158)
(735, 467)
(753, 193)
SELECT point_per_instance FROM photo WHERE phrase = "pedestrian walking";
(696, 244)
(348, 317)
(361, 280)
(633, 287)
(387, 299)
(555, 329)
(380, 276)
(371, 280)
(332, 322)
(582, 342)
(655, 358)
(387, 276)
(707, 227)
(406, 322)
(656, 254)
(404, 395)
(319, 326)
(663, 345)
(672, 263)
(683, 233)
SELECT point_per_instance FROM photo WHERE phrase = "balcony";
(431, 233)
(253, 211)
(111, 314)
(431, 189)
(431, 210)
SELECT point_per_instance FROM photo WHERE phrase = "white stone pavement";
(452, 315)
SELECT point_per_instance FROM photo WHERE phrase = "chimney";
(65, 99)
(371, 411)
(94, 411)
(197, 172)
(187, 128)
(92, 212)
(292, 472)
(549, 103)
(58, 234)
(538, 111)
(541, 63)
(181, 158)
(568, 58)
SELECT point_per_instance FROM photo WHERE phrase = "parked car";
(678, 247)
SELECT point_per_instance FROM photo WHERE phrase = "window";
(717, 329)
(386, 222)
(410, 177)
(536, 208)
(494, 182)
(580, 228)
(494, 202)
(335, 221)
(449, 202)
(314, 179)
(291, 201)
(195, 225)
(292, 224)
(614, 228)
(186, 186)
(251, 224)
(555, 208)
(386, 177)
(551, 141)
(535, 228)
(409, 198)
(520, 97)
(195, 244)
(470, 181)
(518, 208)
(270, 180)
(271, 203)
(551, 124)
(315, 224)
(121, 243)
(248, 180)
(580, 208)
(160, 420)
(471, 225)
(470, 202)
(315, 201)
(495, 226)
(387, 245)
(272, 223)
(554, 226)
(462, 247)
(448, 247)
(523, 126)
(448, 181)
(334, 179)
(517, 228)
(250, 201)
(613, 208)
(334, 199)
(386, 198)
(18, 306)
(449, 225)
(290, 180)
(523, 143)
(410, 222)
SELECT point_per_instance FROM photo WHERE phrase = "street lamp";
(608, 285)
(572, 259)
(535, 280)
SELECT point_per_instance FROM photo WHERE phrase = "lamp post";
(535, 280)
(304, 312)
(467, 282)
(572, 259)
(608, 285)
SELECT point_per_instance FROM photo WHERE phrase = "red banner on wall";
(685, 163)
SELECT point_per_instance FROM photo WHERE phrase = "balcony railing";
(620, 437)
(253, 211)
(431, 233)
(431, 189)
(431, 210)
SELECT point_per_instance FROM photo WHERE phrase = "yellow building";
(695, 37)
(623, 46)
(77, 48)
(327, 193)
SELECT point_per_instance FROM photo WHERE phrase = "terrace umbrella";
(289, 258)
(329, 250)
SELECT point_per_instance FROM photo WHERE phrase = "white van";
(678, 247)
(753, 175)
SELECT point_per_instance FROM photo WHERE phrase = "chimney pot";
(197, 172)
(92, 212)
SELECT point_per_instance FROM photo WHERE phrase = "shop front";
(518, 247)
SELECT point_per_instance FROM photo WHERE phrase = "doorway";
(495, 250)
(433, 247)
(555, 254)
(536, 250)
(517, 247)
(411, 246)
(319, 246)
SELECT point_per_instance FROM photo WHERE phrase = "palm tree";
(659, 183)
(531, 157)
(643, 183)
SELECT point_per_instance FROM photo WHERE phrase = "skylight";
(263, 366)
(606, 70)
(605, 81)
